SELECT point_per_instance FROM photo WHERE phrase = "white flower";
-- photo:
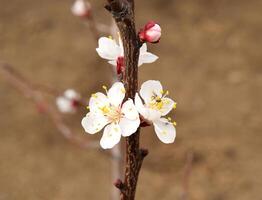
(155, 106)
(110, 50)
(68, 102)
(110, 111)
(81, 8)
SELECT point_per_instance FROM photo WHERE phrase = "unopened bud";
(81, 8)
(150, 33)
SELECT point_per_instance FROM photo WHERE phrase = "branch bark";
(123, 13)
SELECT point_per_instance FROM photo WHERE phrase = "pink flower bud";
(81, 8)
(150, 33)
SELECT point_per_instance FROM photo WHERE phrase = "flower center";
(112, 113)
(157, 102)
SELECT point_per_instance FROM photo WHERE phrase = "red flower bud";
(150, 33)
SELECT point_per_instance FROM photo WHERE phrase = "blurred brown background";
(210, 61)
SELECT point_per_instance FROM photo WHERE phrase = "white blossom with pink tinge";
(68, 102)
(154, 107)
(81, 8)
(109, 111)
(112, 51)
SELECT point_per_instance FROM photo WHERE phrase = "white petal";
(116, 94)
(98, 101)
(128, 127)
(112, 62)
(93, 123)
(143, 49)
(121, 45)
(130, 110)
(150, 89)
(165, 131)
(168, 105)
(80, 8)
(108, 48)
(147, 58)
(139, 105)
(152, 114)
(71, 94)
(111, 136)
(147, 113)
(64, 105)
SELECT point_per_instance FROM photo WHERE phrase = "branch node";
(119, 9)
(120, 185)
(143, 153)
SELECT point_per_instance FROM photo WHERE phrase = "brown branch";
(31, 91)
(123, 13)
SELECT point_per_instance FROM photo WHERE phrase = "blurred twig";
(187, 174)
(36, 94)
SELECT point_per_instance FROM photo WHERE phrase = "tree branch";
(123, 13)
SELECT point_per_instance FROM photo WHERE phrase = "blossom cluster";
(119, 116)
(123, 118)
(112, 111)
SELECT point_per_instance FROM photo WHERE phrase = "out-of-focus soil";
(210, 61)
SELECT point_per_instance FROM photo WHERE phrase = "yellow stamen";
(174, 123)
(110, 37)
(169, 119)
(94, 95)
(105, 109)
(174, 106)
(105, 88)
(87, 107)
(123, 90)
(116, 129)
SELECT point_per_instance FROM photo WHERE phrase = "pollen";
(123, 90)
(174, 123)
(160, 105)
(110, 37)
(174, 106)
(105, 88)
(94, 95)
(169, 119)
(87, 107)
(105, 109)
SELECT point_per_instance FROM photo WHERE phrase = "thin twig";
(187, 174)
(30, 91)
